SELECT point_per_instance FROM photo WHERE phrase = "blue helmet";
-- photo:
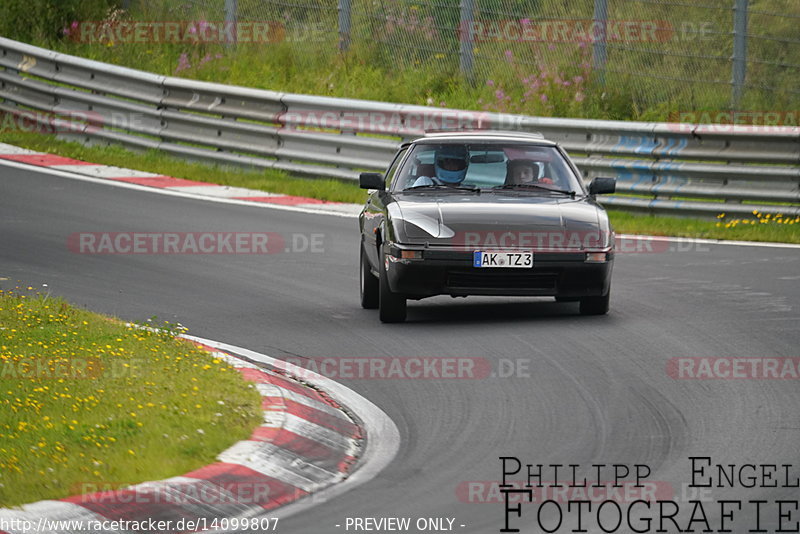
(451, 163)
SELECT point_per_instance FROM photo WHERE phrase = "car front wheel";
(369, 284)
(392, 307)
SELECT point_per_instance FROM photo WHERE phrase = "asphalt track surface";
(597, 390)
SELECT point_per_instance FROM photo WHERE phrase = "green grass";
(415, 58)
(643, 81)
(88, 402)
(333, 190)
(772, 229)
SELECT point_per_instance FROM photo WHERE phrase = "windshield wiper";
(440, 186)
(538, 187)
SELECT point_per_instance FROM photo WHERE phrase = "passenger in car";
(524, 171)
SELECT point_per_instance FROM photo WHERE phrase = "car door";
(374, 213)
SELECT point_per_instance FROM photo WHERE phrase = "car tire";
(369, 284)
(392, 307)
(595, 305)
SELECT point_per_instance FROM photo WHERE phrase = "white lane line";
(160, 191)
(383, 437)
(7, 150)
(103, 171)
(346, 209)
(223, 191)
(667, 239)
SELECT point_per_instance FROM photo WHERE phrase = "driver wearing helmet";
(450, 164)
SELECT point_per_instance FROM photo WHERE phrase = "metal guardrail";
(667, 168)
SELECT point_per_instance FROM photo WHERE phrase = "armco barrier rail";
(680, 169)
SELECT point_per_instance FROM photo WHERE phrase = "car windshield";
(494, 166)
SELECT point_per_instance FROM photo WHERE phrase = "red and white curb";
(318, 440)
(11, 153)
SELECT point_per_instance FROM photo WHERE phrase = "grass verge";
(772, 229)
(785, 231)
(91, 403)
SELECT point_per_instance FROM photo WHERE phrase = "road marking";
(707, 241)
(115, 183)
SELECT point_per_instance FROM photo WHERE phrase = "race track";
(595, 389)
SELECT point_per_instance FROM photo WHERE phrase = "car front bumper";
(451, 272)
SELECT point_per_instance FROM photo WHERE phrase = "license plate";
(507, 260)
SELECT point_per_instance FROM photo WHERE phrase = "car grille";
(501, 279)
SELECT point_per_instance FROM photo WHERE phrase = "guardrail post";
(344, 8)
(466, 40)
(739, 50)
(600, 55)
(231, 14)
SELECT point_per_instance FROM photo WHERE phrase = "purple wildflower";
(183, 63)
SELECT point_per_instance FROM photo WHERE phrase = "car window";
(390, 174)
(490, 165)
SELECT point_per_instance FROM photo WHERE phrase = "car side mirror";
(371, 180)
(602, 186)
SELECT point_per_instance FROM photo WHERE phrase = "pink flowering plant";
(539, 85)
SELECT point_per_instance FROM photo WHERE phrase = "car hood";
(507, 220)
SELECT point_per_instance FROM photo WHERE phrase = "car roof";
(483, 136)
